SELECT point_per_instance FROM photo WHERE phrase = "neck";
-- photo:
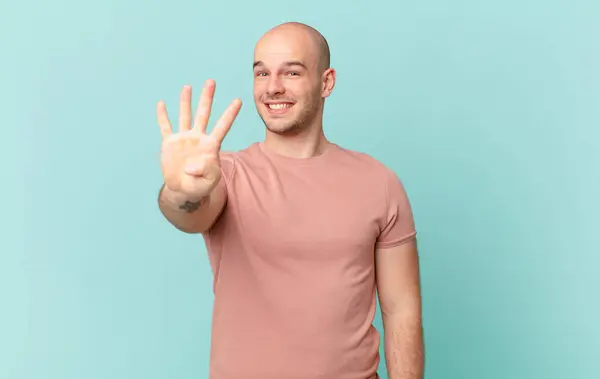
(310, 142)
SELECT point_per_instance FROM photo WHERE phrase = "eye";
(293, 73)
(261, 73)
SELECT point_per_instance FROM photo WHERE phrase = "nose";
(275, 86)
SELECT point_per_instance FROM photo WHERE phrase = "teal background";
(488, 110)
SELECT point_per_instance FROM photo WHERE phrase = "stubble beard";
(295, 126)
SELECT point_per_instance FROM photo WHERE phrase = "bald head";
(300, 36)
(292, 78)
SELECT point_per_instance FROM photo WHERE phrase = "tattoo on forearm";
(192, 206)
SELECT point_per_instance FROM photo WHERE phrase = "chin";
(279, 125)
(283, 128)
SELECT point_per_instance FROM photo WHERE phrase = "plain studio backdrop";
(489, 111)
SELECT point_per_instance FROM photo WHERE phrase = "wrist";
(179, 198)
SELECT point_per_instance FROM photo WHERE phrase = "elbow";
(190, 229)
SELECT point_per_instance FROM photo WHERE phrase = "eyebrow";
(287, 64)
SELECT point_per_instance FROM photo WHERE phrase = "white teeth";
(279, 106)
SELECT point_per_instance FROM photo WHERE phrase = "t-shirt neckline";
(291, 161)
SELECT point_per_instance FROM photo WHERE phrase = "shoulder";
(384, 182)
(396, 220)
(369, 165)
(231, 160)
(247, 153)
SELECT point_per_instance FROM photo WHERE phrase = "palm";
(190, 159)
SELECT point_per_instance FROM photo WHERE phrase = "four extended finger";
(224, 124)
(204, 106)
(163, 119)
(185, 108)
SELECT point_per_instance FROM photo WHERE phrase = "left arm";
(398, 286)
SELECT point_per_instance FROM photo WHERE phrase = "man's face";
(287, 82)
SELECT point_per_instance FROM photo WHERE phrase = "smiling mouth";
(279, 108)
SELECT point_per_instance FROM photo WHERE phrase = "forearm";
(191, 215)
(404, 350)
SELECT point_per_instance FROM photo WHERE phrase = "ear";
(328, 82)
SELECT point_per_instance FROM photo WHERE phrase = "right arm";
(192, 215)
(194, 192)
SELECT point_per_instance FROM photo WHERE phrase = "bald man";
(301, 233)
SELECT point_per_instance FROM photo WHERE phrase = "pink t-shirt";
(293, 262)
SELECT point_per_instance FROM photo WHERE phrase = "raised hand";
(190, 158)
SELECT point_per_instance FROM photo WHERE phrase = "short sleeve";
(397, 222)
